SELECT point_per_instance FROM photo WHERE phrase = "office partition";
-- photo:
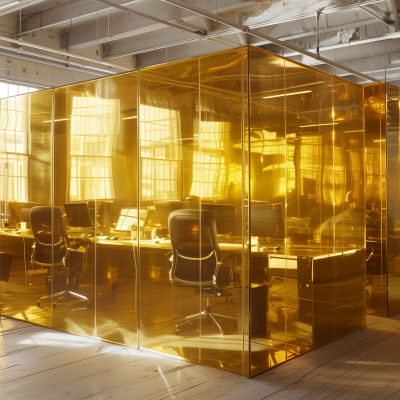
(306, 141)
(381, 103)
(210, 209)
(26, 142)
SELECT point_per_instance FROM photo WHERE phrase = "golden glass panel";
(26, 182)
(375, 189)
(306, 152)
(75, 134)
(169, 182)
(218, 165)
(267, 149)
(349, 222)
(393, 198)
(118, 223)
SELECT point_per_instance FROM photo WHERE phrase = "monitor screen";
(129, 217)
(164, 208)
(267, 221)
(78, 215)
(21, 211)
(225, 217)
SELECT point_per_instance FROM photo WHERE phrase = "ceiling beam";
(22, 5)
(21, 44)
(181, 26)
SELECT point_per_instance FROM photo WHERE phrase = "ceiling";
(55, 42)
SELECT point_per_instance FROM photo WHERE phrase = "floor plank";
(39, 363)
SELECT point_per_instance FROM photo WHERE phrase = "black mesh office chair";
(199, 266)
(67, 261)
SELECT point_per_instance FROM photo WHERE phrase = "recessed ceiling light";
(308, 126)
(287, 94)
(56, 120)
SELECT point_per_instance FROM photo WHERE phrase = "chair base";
(210, 317)
(66, 294)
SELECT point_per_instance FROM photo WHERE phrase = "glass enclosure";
(306, 141)
(210, 209)
(381, 105)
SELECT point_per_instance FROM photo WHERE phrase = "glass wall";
(95, 171)
(375, 192)
(191, 160)
(307, 208)
(382, 151)
(26, 182)
(393, 198)
(211, 209)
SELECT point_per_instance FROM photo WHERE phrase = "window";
(94, 126)
(160, 133)
(209, 163)
(14, 135)
(10, 89)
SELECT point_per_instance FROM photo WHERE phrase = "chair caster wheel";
(38, 303)
(177, 331)
(222, 333)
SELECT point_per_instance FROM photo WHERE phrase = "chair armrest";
(225, 276)
(171, 259)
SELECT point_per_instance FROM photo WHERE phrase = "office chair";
(199, 266)
(67, 262)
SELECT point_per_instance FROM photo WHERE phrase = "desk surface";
(313, 250)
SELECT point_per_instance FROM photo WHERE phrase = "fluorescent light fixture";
(360, 130)
(14, 3)
(377, 141)
(56, 120)
(130, 117)
(287, 94)
(308, 126)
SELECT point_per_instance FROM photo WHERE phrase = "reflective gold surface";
(393, 198)
(26, 180)
(219, 208)
(197, 160)
(95, 160)
(306, 155)
(375, 192)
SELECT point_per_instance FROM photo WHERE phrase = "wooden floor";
(38, 363)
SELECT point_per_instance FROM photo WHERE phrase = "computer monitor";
(129, 217)
(78, 215)
(267, 221)
(225, 217)
(20, 211)
(164, 208)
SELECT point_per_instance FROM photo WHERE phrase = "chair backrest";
(42, 230)
(195, 247)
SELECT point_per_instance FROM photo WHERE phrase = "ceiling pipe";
(63, 53)
(252, 31)
(78, 16)
(277, 21)
(388, 36)
(45, 62)
(187, 27)
(13, 51)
